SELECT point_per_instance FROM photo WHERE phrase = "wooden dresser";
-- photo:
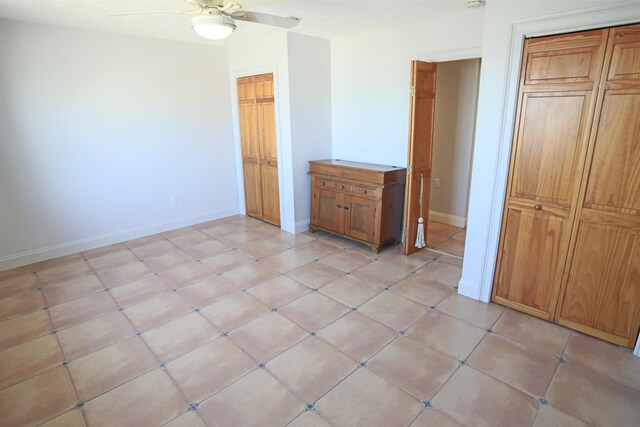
(360, 201)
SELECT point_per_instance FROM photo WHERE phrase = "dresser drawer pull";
(346, 208)
(342, 187)
(537, 207)
(339, 206)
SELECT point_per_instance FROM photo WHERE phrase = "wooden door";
(359, 218)
(268, 151)
(602, 292)
(421, 111)
(327, 208)
(247, 112)
(259, 152)
(558, 87)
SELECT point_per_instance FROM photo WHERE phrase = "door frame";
(287, 222)
(485, 222)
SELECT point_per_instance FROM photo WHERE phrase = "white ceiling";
(320, 18)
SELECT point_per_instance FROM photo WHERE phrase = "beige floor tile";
(37, 399)
(339, 241)
(442, 272)
(315, 274)
(154, 248)
(452, 246)
(124, 274)
(26, 360)
(262, 248)
(209, 368)
(104, 250)
(433, 418)
(446, 334)
(157, 311)
(433, 240)
(186, 274)
(451, 260)
(277, 405)
(82, 310)
(350, 291)
(54, 262)
(72, 289)
(286, 261)
(180, 336)
(346, 261)
(475, 399)
(206, 249)
(188, 419)
(613, 362)
(365, 399)
(191, 238)
(313, 311)
(533, 332)
(139, 291)
(317, 249)
(357, 336)
(381, 273)
(72, 418)
(64, 272)
(112, 260)
(278, 291)
(207, 291)
(166, 261)
(423, 290)
(91, 336)
(309, 419)
(22, 271)
(237, 239)
(393, 310)
(442, 229)
(250, 275)
(265, 338)
(227, 261)
(408, 263)
(111, 367)
(291, 240)
(311, 368)
(141, 241)
(20, 304)
(19, 284)
(24, 328)
(548, 416)
(152, 399)
(219, 229)
(413, 367)
(476, 312)
(594, 399)
(515, 364)
(234, 311)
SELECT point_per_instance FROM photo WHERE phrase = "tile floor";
(233, 323)
(446, 238)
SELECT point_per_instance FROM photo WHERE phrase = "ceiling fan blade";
(265, 18)
(151, 12)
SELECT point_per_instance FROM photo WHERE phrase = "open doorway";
(456, 102)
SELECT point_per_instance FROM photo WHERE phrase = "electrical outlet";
(436, 183)
(173, 201)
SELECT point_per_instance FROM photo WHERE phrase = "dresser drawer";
(344, 187)
(366, 192)
(324, 183)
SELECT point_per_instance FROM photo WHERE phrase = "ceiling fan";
(215, 18)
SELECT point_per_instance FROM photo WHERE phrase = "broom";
(420, 234)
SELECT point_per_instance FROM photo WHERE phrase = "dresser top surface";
(357, 165)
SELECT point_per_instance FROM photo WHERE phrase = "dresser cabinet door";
(327, 209)
(360, 218)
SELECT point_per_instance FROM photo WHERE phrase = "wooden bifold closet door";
(259, 153)
(569, 247)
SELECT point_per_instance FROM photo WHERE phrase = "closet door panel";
(550, 146)
(531, 257)
(614, 181)
(252, 189)
(270, 198)
(602, 294)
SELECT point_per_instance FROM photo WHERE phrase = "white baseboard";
(470, 289)
(302, 226)
(458, 221)
(67, 248)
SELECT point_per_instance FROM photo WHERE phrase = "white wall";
(267, 55)
(310, 97)
(504, 21)
(99, 130)
(454, 128)
(370, 78)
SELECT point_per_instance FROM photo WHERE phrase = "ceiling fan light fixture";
(213, 27)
